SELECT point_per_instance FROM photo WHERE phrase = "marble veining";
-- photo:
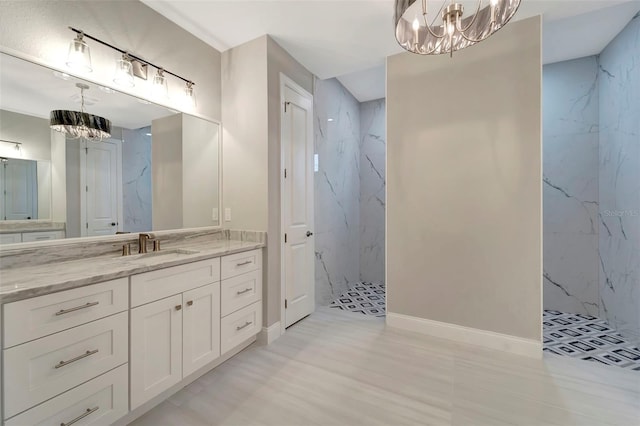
(337, 190)
(619, 181)
(10, 226)
(57, 251)
(136, 179)
(26, 280)
(372, 190)
(570, 186)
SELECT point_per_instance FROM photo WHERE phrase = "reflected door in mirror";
(102, 188)
(18, 180)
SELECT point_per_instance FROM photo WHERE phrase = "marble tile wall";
(337, 189)
(372, 190)
(619, 177)
(570, 189)
(136, 179)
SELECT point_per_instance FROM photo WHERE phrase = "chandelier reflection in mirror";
(79, 124)
(451, 28)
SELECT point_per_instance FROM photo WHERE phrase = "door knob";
(309, 233)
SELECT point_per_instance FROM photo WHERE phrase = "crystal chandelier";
(420, 31)
(79, 124)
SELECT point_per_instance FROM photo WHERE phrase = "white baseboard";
(269, 334)
(472, 336)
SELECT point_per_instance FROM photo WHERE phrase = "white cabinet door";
(156, 348)
(201, 327)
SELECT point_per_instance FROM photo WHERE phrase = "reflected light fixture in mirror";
(79, 124)
(11, 151)
(124, 72)
(159, 88)
(79, 57)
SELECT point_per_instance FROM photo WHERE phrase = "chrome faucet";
(142, 241)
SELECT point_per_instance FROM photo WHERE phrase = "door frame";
(83, 184)
(286, 82)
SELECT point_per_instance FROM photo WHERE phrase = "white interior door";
(20, 191)
(101, 186)
(297, 201)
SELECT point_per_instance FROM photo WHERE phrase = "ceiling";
(35, 90)
(350, 39)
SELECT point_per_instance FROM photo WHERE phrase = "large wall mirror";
(159, 169)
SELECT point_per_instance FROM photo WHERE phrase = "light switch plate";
(214, 213)
(227, 214)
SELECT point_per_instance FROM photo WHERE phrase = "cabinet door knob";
(178, 307)
(309, 233)
(190, 303)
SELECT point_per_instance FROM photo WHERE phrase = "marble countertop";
(30, 281)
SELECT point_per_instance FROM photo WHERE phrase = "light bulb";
(416, 24)
(124, 72)
(450, 28)
(159, 87)
(189, 96)
(79, 57)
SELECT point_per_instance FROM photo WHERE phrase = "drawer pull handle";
(248, 262)
(246, 324)
(77, 308)
(243, 291)
(81, 416)
(78, 358)
(190, 303)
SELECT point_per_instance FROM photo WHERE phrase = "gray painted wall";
(251, 152)
(464, 184)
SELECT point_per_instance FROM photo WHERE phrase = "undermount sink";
(157, 254)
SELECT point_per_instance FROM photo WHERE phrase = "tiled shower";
(349, 192)
(592, 185)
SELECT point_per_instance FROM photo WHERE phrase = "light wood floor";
(337, 368)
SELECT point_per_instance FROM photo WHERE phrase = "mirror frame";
(42, 63)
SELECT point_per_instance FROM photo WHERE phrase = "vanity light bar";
(14, 143)
(130, 55)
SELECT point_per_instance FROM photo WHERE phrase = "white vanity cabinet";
(241, 289)
(106, 352)
(176, 335)
(55, 342)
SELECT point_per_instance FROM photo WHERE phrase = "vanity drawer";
(44, 368)
(10, 238)
(156, 285)
(239, 326)
(241, 291)
(28, 237)
(101, 401)
(30, 319)
(241, 263)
